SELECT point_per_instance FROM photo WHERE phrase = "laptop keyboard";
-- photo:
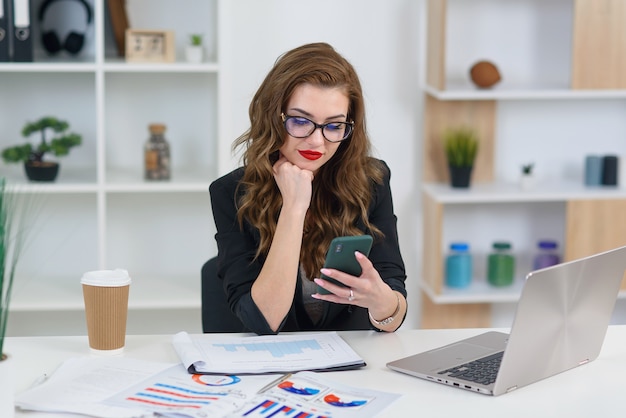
(482, 371)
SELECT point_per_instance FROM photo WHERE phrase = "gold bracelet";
(389, 320)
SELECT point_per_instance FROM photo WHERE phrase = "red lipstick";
(310, 155)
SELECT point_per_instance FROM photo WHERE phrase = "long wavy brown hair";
(342, 188)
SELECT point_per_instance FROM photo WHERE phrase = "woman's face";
(321, 105)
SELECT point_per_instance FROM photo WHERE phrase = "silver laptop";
(560, 323)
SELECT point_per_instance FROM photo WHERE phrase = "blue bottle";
(458, 265)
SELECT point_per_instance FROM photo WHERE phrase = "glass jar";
(458, 265)
(157, 154)
(501, 264)
(547, 254)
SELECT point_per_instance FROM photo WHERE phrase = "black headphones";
(73, 42)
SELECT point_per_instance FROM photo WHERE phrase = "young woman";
(307, 177)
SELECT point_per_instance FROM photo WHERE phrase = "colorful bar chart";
(164, 395)
(275, 349)
(273, 409)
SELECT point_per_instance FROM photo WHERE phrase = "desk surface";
(595, 389)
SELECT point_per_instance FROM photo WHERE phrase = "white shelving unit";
(523, 216)
(100, 213)
(532, 115)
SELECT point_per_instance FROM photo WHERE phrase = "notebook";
(560, 323)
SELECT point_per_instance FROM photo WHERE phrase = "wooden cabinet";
(559, 100)
(100, 213)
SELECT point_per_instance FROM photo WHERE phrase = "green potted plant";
(461, 147)
(32, 156)
(527, 179)
(12, 210)
(195, 50)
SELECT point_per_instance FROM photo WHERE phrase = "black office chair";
(216, 315)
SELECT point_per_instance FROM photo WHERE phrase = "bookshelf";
(544, 51)
(100, 213)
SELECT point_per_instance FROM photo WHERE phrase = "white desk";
(593, 390)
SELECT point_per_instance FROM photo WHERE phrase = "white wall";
(382, 40)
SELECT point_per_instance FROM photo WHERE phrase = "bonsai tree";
(461, 146)
(58, 145)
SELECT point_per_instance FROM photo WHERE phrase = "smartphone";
(340, 256)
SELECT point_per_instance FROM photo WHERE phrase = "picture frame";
(145, 45)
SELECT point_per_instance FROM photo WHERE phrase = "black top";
(237, 247)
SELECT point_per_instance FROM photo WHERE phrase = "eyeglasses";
(301, 127)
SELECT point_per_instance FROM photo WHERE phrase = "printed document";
(122, 387)
(266, 353)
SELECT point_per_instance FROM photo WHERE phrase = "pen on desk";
(39, 380)
(44, 377)
(274, 383)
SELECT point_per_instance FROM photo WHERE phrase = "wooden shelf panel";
(598, 44)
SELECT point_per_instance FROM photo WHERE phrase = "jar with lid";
(157, 154)
(501, 264)
(547, 254)
(458, 265)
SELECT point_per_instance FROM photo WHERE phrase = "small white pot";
(527, 181)
(7, 386)
(194, 53)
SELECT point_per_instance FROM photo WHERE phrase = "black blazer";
(237, 247)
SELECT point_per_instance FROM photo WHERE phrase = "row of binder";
(16, 38)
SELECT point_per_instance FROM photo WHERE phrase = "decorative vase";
(7, 386)
(194, 53)
(41, 171)
(460, 176)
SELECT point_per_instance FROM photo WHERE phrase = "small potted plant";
(527, 178)
(32, 156)
(461, 147)
(195, 50)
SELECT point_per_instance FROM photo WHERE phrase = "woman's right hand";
(295, 184)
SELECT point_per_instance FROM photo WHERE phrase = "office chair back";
(216, 314)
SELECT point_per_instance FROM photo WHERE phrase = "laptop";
(560, 323)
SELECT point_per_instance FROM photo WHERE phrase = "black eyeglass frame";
(349, 127)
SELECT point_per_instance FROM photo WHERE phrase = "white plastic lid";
(106, 278)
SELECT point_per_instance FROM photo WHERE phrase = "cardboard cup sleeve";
(105, 294)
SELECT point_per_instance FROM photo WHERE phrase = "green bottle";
(501, 265)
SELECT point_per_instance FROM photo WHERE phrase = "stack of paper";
(233, 381)
(118, 387)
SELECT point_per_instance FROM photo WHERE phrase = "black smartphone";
(340, 256)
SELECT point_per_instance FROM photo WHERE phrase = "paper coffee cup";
(105, 293)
